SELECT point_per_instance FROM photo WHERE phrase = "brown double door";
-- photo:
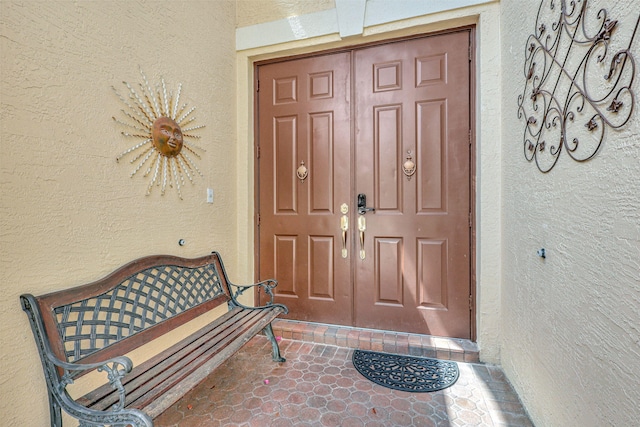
(390, 123)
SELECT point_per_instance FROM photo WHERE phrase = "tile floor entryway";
(318, 385)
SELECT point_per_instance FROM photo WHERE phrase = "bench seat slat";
(159, 404)
(157, 378)
(207, 332)
(170, 376)
(195, 356)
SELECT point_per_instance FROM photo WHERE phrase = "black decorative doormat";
(406, 373)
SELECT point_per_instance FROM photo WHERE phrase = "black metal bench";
(92, 327)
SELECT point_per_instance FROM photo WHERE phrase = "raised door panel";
(432, 284)
(321, 268)
(431, 156)
(285, 147)
(389, 281)
(321, 146)
(387, 139)
(284, 251)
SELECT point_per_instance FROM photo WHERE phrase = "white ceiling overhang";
(348, 18)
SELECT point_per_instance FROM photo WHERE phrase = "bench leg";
(55, 412)
(274, 344)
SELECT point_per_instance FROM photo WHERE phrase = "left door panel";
(304, 114)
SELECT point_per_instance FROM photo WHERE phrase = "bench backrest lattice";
(131, 306)
(140, 301)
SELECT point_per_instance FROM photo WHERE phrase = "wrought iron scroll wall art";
(576, 85)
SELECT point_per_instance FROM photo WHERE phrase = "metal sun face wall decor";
(576, 85)
(158, 122)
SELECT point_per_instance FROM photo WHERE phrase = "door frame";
(472, 150)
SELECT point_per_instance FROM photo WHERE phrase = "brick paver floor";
(318, 386)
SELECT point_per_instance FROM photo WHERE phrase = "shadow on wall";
(502, 402)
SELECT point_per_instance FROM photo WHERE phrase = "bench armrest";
(266, 285)
(116, 368)
(53, 367)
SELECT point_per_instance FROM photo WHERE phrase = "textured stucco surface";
(68, 212)
(571, 323)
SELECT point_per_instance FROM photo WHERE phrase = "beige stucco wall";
(571, 323)
(68, 212)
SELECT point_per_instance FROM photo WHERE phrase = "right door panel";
(412, 107)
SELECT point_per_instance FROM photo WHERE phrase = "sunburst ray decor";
(162, 129)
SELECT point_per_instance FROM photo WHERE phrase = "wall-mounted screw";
(181, 242)
(542, 253)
